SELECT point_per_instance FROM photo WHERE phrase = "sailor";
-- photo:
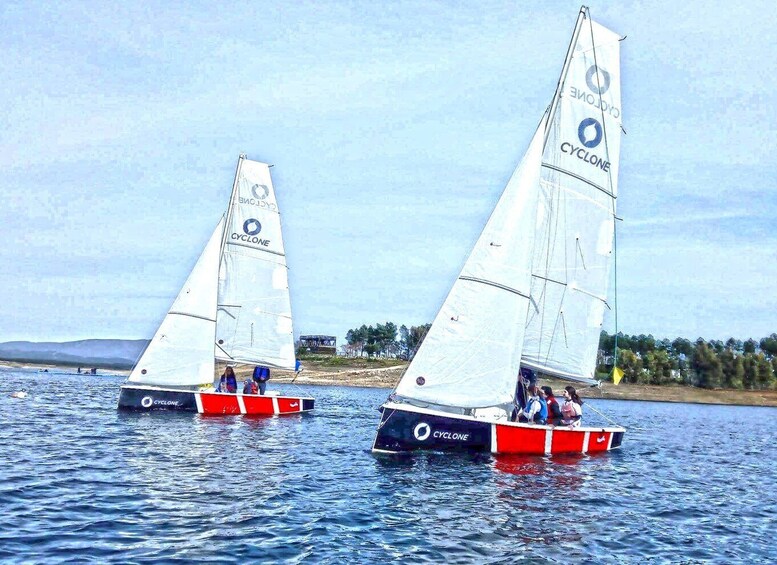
(554, 410)
(572, 410)
(228, 381)
(536, 410)
(261, 376)
(249, 387)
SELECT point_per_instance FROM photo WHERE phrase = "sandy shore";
(386, 374)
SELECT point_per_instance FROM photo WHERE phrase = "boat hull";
(152, 399)
(403, 428)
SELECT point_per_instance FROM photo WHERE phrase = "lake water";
(83, 482)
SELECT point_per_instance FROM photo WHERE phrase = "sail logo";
(590, 133)
(602, 82)
(598, 81)
(252, 226)
(260, 191)
(588, 127)
(422, 431)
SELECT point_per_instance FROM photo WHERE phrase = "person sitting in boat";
(228, 381)
(572, 410)
(536, 410)
(261, 376)
(554, 410)
(249, 387)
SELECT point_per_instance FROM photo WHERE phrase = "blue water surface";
(81, 482)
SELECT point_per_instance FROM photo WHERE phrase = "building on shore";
(322, 344)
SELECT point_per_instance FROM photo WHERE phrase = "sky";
(392, 128)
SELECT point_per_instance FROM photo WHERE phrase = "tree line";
(733, 363)
(381, 340)
(704, 363)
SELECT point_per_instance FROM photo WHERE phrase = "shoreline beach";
(386, 374)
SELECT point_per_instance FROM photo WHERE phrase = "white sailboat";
(234, 308)
(533, 291)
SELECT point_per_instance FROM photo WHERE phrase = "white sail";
(469, 358)
(254, 309)
(181, 351)
(576, 211)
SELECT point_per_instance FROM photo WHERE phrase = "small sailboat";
(533, 291)
(233, 309)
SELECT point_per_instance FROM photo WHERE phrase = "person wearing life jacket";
(249, 387)
(572, 409)
(536, 410)
(554, 410)
(228, 381)
(261, 376)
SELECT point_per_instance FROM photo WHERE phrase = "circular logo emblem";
(590, 132)
(252, 226)
(422, 431)
(260, 191)
(600, 85)
(146, 402)
(420, 381)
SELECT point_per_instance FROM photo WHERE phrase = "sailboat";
(233, 309)
(533, 291)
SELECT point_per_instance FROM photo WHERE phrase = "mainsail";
(254, 309)
(533, 291)
(576, 211)
(469, 358)
(181, 351)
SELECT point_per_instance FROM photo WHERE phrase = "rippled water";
(81, 481)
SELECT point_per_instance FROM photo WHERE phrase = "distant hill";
(108, 353)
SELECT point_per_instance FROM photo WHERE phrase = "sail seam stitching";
(193, 316)
(582, 179)
(256, 248)
(495, 284)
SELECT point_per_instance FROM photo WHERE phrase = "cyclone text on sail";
(584, 155)
(595, 101)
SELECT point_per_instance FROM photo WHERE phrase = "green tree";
(749, 379)
(707, 366)
(631, 365)
(682, 346)
(764, 373)
(749, 346)
(733, 369)
(769, 345)
(411, 338)
(659, 367)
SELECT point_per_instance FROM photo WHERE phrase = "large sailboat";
(234, 309)
(533, 291)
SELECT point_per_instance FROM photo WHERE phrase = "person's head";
(229, 371)
(571, 394)
(548, 391)
(534, 391)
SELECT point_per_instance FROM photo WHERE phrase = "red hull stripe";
(221, 403)
(289, 405)
(218, 403)
(258, 405)
(538, 441)
(511, 439)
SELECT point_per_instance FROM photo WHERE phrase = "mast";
(230, 206)
(570, 51)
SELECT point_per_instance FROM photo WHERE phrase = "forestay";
(576, 211)
(471, 355)
(181, 351)
(254, 309)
